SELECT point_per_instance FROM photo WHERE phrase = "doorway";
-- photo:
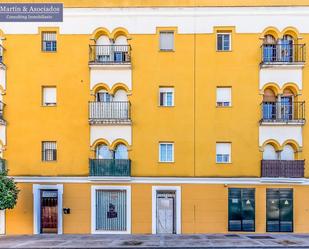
(279, 210)
(49, 211)
(166, 209)
(166, 212)
(47, 208)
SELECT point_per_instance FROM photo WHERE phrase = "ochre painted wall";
(29, 123)
(195, 124)
(204, 208)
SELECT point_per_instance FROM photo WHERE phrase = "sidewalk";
(158, 241)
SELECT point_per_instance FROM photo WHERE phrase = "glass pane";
(121, 152)
(219, 42)
(169, 99)
(169, 152)
(234, 209)
(103, 152)
(248, 214)
(163, 152)
(226, 42)
(272, 211)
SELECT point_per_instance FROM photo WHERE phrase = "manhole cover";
(260, 237)
(132, 243)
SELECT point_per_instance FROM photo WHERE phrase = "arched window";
(103, 40)
(103, 152)
(121, 40)
(121, 49)
(269, 48)
(103, 50)
(270, 153)
(287, 105)
(286, 48)
(120, 95)
(287, 153)
(103, 96)
(269, 39)
(269, 105)
(121, 152)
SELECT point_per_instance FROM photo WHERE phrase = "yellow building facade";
(157, 117)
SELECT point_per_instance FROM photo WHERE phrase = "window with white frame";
(166, 97)
(166, 152)
(224, 96)
(49, 41)
(223, 41)
(166, 40)
(49, 96)
(49, 151)
(223, 152)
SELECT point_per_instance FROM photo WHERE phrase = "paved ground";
(158, 241)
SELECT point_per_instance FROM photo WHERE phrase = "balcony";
(283, 113)
(109, 54)
(116, 112)
(110, 167)
(283, 54)
(283, 168)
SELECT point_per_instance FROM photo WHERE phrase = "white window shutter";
(167, 40)
(223, 148)
(224, 94)
(49, 95)
(49, 36)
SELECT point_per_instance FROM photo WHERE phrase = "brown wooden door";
(49, 211)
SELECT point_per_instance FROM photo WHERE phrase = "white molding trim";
(163, 180)
(110, 66)
(93, 209)
(178, 206)
(2, 222)
(37, 206)
(199, 20)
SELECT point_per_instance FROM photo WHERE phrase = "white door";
(2, 222)
(166, 212)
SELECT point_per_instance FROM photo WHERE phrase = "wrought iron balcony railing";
(283, 168)
(110, 167)
(287, 112)
(109, 112)
(109, 54)
(283, 53)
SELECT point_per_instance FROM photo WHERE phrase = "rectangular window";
(49, 96)
(167, 40)
(224, 96)
(166, 96)
(166, 152)
(279, 210)
(223, 42)
(223, 152)
(49, 41)
(49, 151)
(242, 209)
